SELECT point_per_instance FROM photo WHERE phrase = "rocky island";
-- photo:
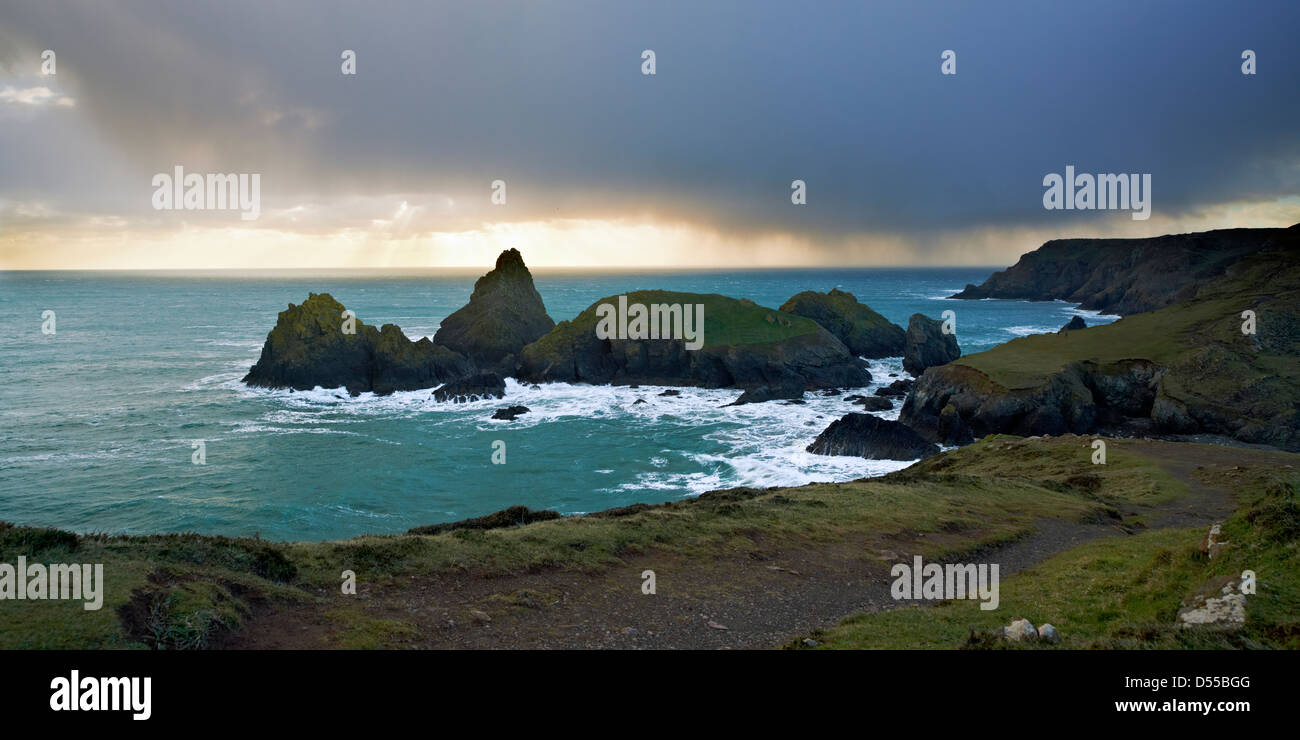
(815, 341)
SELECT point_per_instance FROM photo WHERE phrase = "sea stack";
(504, 314)
(927, 345)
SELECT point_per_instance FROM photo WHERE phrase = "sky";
(605, 166)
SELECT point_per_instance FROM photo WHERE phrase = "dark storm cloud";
(747, 97)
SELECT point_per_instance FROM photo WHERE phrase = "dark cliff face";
(308, 347)
(504, 314)
(865, 332)
(1126, 276)
(954, 403)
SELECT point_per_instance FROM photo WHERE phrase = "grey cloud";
(748, 96)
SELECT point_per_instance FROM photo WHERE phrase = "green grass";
(727, 321)
(1208, 366)
(179, 591)
(1170, 336)
(1125, 592)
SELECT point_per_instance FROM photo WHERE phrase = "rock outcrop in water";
(504, 314)
(743, 346)
(864, 435)
(308, 347)
(1126, 276)
(764, 393)
(865, 332)
(474, 387)
(927, 345)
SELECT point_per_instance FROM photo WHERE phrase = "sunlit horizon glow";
(110, 243)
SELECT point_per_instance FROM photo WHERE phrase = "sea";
(122, 411)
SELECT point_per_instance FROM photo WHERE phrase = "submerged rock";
(504, 314)
(863, 435)
(927, 346)
(510, 413)
(309, 347)
(897, 388)
(872, 403)
(865, 332)
(763, 393)
(472, 388)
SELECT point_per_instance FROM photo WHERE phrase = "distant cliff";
(1126, 276)
(1226, 362)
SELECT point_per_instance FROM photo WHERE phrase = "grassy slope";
(1126, 592)
(1172, 336)
(196, 586)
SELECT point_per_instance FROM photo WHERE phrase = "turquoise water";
(98, 421)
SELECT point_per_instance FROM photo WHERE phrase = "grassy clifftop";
(187, 591)
(1210, 324)
(1186, 368)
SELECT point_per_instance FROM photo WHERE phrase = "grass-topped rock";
(865, 332)
(308, 347)
(743, 345)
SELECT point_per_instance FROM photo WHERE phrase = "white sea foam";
(1094, 315)
(760, 444)
(1024, 331)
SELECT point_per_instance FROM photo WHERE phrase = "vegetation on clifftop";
(1187, 368)
(178, 591)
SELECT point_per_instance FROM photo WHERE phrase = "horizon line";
(470, 268)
